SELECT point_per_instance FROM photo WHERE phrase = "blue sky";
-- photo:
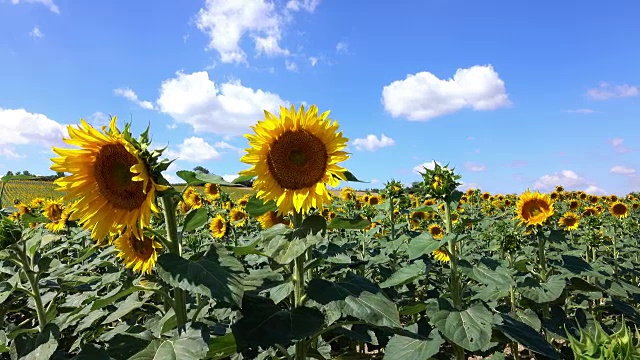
(514, 95)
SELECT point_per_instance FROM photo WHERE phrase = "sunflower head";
(114, 176)
(218, 226)
(294, 157)
(441, 255)
(534, 208)
(347, 194)
(140, 255)
(238, 217)
(574, 204)
(392, 189)
(559, 188)
(212, 191)
(569, 221)
(436, 231)
(271, 218)
(374, 200)
(441, 182)
(589, 211)
(619, 209)
(486, 196)
(37, 202)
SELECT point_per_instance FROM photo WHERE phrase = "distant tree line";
(36, 177)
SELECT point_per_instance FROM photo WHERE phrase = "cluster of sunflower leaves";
(374, 288)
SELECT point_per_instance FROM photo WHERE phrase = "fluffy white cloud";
(342, 47)
(308, 5)
(475, 167)
(606, 91)
(594, 190)
(291, 66)
(423, 96)
(229, 177)
(99, 119)
(20, 127)
(622, 170)
(227, 146)
(36, 33)
(372, 143)
(48, 3)
(567, 178)
(133, 97)
(313, 60)
(229, 108)
(429, 165)
(464, 186)
(194, 149)
(618, 145)
(226, 22)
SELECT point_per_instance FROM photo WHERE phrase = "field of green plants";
(378, 281)
(126, 266)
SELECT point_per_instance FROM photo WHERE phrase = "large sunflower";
(619, 209)
(295, 157)
(534, 208)
(110, 179)
(136, 254)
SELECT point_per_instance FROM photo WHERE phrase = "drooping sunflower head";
(534, 208)
(113, 176)
(294, 157)
(139, 255)
(271, 218)
(218, 226)
(619, 209)
(569, 221)
(436, 231)
(441, 255)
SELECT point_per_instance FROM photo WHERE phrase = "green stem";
(615, 254)
(393, 219)
(175, 247)
(455, 279)
(35, 288)
(298, 289)
(542, 260)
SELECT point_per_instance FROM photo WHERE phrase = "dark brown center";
(297, 160)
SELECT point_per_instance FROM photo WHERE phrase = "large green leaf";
(357, 297)
(423, 244)
(527, 336)
(40, 346)
(501, 277)
(205, 277)
(193, 178)
(470, 328)
(264, 324)
(222, 347)
(191, 345)
(256, 207)
(407, 348)
(406, 274)
(92, 352)
(194, 219)
(349, 224)
(542, 292)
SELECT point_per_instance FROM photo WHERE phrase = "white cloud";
(291, 66)
(342, 47)
(567, 178)
(194, 149)
(605, 91)
(170, 174)
(618, 145)
(308, 5)
(20, 127)
(226, 22)
(229, 177)
(581, 111)
(48, 3)
(227, 109)
(464, 186)
(226, 145)
(474, 167)
(99, 119)
(313, 60)
(594, 190)
(36, 33)
(372, 143)
(622, 170)
(429, 165)
(423, 96)
(133, 97)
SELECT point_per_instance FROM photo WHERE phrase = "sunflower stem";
(175, 247)
(27, 267)
(455, 279)
(298, 283)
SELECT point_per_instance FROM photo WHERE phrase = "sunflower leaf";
(350, 224)
(406, 348)
(352, 178)
(194, 219)
(256, 207)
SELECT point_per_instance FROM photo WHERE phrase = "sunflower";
(470, 192)
(507, 202)
(374, 200)
(554, 195)
(194, 200)
(613, 198)
(486, 196)
(271, 218)
(37, 202)
(140, 255)
(630, 197)
(346, 193)
(238, 217)
(574, 204)
(619, 209)
(589, 211)
(295, 157)
(212, 191)
(109, 177)
(441, 255)
(593, 199)
(436, 231)
(534, 208)
(635, 206)
(218, 226)
(429, 202)
(23, 208)
(569, 221)
(559, 188)
(55, 211)
(582, 195)
(455, 217)
(244, 200)
(371, 226)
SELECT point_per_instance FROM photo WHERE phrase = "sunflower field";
(126, 266)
